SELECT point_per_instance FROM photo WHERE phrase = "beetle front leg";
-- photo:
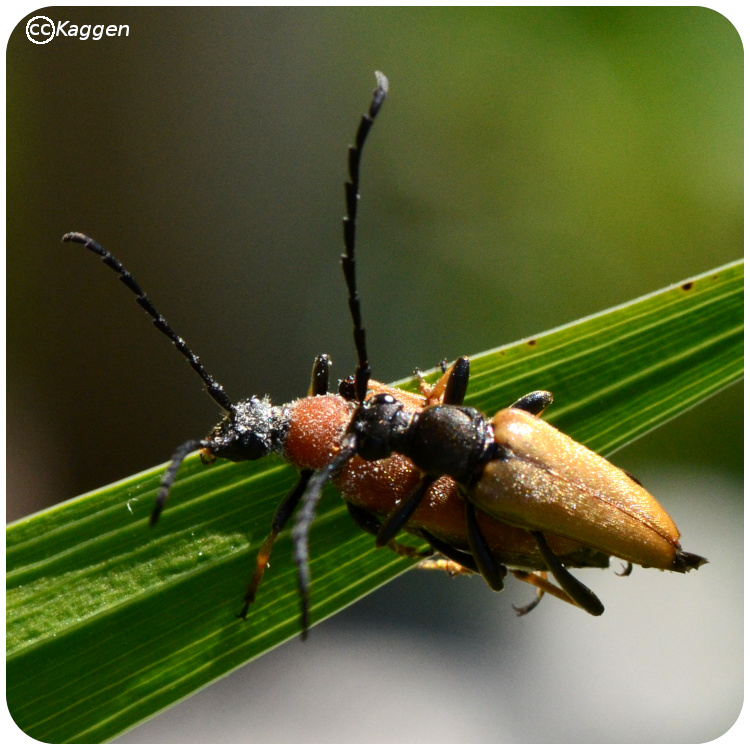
(320, 376)
(280, 519)
(581, 594)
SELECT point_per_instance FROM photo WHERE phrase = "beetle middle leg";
(370, 523)
(533, 403)
(451, 388)
(492, 571)
(400, 515)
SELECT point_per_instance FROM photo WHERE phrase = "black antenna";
(348, 448)
(215, 390)
(362, 375)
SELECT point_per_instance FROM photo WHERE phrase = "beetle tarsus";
(634, 478)
(626, 570)
(460, 557)
(521, 611)
(444, 565)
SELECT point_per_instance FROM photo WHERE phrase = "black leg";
(581, 594)
(534, 403)
(492, 571)
(318, 387)
(458, 381)
(370, 523)
(280, 519)
(320, 375)
(464, 559)
(400, 515)
(170, 474)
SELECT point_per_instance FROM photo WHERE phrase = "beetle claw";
(626, 570)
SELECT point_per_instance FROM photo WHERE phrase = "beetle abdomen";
(550, 482)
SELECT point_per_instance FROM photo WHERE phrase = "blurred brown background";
(530, 167)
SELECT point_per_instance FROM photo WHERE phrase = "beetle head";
(251, 429)
(376, 425)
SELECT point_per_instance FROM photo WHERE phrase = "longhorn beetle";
(510, 493)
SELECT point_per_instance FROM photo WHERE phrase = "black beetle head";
(252, 429)
(376, 424)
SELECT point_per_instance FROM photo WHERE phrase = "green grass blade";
(109, 621)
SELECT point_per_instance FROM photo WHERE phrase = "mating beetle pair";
(510, 493)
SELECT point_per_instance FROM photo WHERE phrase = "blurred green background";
(531, 166)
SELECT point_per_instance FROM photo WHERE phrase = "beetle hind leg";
(526, 608)
(581, 594)
(543, 586)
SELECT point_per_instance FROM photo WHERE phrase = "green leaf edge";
(87, 577)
